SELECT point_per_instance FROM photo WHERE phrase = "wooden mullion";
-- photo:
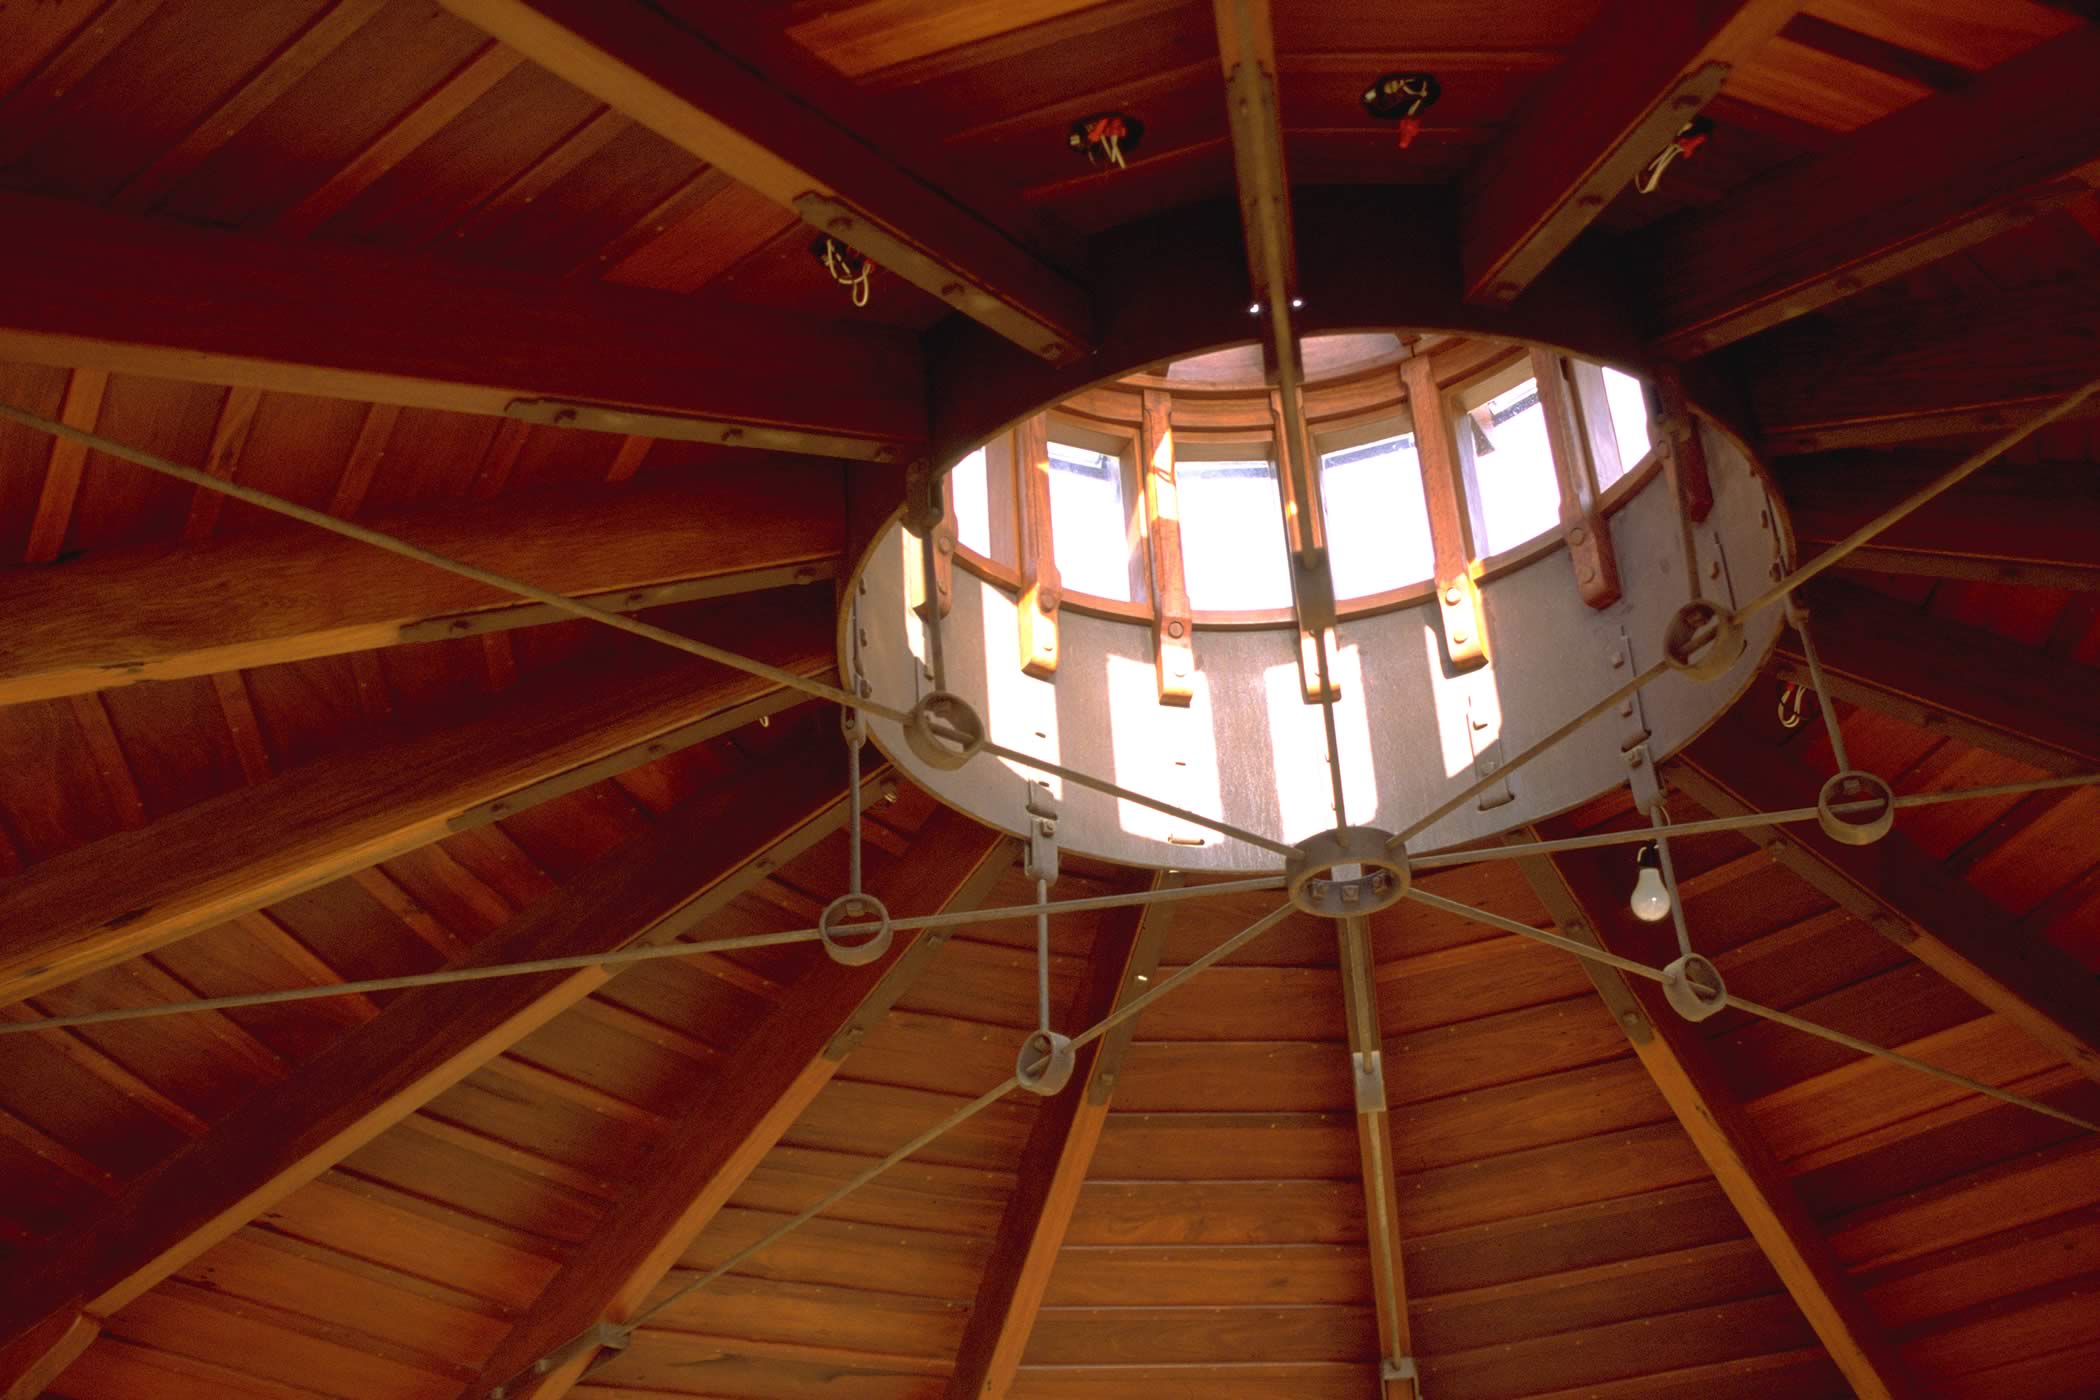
(1599, 434)
(1042, 589)
(1676, 435)
(1450, 530)
(1173, 622)
(1584, 527)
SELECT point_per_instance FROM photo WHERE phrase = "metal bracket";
(1642, 778)
(1482, 714)
(1370, 1081)
(605, 1338)
(605, 418)
(1401, 1368)
(1633, 716)
(1041, 807)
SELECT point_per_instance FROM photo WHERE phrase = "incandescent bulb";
(1651, 897)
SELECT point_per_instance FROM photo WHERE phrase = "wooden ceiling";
(316, 246)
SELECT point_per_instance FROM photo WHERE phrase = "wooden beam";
(752, 1101)
(663, 883)
(134, 891)
(1587, 907)
(1055, 1162)
(153, 297)
(1400, 1379)
(2030, 524)
(1938, 176)
(1890, 374)
(31, 1362)
(1636, 76)
(1950, 677)
(675, 80)
(102, 620)
(1902, 894)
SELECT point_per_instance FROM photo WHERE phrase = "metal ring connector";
(1856, 828)
(1703, 640)
(1045, 1063)
(1381, 880)
(943, 731)
(1692, 986)
(860, 908)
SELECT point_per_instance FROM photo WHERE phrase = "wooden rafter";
(676, 81)
(108, 620)
(1055, 1162)
(137, 890)
(1903, 894)
(158, 298)
(2018, 352)
(1636, 76)
(2007, 147)
(692, 864)
(1587, 906)
(1399, 1379)
(1950, 677)
(756, 1097)
(2029, 524)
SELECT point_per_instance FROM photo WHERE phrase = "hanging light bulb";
(1651, 897)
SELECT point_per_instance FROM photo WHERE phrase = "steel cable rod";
(627, 957)
(1837, 1037)
(560, 602)
(1102, 1027)
(1637, 836)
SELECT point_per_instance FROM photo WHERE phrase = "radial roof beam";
(1055, 1161)
(2031, 524)
(137, 890)
(102, 620)
(2018, 353)
(158, 298)
(1951, 678)
(663, 883)
(1587, 907)
(1399, 1378)
(671, 78)
(1620, 95)
(1903, 894)
(755, 1098)
(2015, 143)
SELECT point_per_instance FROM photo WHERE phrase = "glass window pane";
(1629, 418)
(1513, 468)
(973, 507)
(1087, 524)
(1377, 519)
(1232, 550)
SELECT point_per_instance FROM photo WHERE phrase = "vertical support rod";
(1374, 1143)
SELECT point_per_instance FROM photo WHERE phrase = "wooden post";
(1587, 532)
(1041, 587)
(1444, 492)
(1173, 625)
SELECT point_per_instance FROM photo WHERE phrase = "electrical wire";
(627, 957)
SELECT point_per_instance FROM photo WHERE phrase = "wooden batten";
(1173, 622)
(1450, 532)
(1583, 526)
(1305, 532)
(1042, 590)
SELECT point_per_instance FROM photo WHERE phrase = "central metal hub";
(1346, 873)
